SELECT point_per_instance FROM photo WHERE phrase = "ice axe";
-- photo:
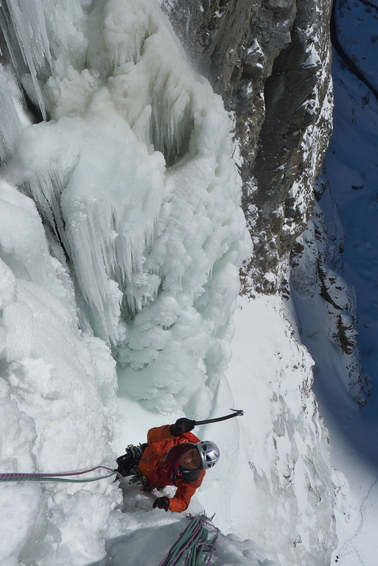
(236, 413)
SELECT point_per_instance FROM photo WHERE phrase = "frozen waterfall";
(132, 175)
(121, 238)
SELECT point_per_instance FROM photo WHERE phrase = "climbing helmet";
(209, 453)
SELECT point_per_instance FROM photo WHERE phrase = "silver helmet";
(209, 453)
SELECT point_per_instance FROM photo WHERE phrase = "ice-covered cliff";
(121, 239)
(271, 63)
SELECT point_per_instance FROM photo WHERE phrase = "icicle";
(10, 122)
(134, 176)
(27, 22)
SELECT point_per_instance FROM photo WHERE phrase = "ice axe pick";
(236, 413)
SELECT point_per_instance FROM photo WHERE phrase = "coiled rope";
(193, 548)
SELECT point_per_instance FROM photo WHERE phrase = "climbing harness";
(128, 467)
(193, 547)
(236, 413)
(128, 463)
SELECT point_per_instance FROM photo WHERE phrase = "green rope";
(43, 478)
(193, 546)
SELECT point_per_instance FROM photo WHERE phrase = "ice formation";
(133, 174)
(126, 251)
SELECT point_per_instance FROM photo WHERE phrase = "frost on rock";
(316, 279)
(133, 175)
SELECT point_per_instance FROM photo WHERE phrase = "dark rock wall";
(270, 61)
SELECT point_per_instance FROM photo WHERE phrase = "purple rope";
(194, 534)
(210, 545)
(50, 475)
(185, 547)
(45, 476)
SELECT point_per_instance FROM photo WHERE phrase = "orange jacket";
(157, 464)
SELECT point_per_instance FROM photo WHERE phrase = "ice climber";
(172, 456)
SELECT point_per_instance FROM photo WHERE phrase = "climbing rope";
(60, 476)
(193, 547)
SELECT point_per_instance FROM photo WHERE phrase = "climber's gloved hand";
(161, 503)
(182, 425)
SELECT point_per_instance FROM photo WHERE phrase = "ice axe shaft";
(237, 413)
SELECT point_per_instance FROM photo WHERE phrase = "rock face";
(271, 63)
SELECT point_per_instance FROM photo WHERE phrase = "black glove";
(161, 503)
(182, 425)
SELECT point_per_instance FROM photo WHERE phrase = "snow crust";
(53, 420)
(283, 460)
